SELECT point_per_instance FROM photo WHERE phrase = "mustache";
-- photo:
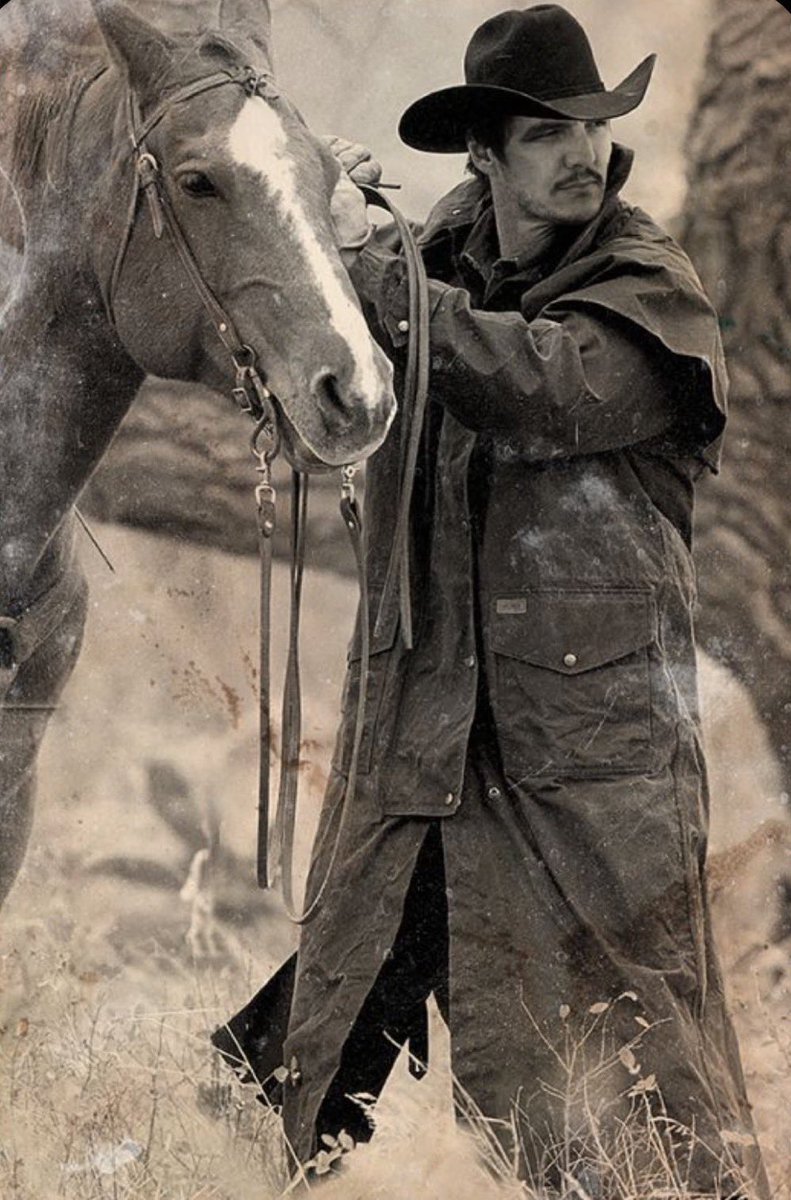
(581, 177)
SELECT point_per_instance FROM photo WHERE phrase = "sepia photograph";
(395, 600)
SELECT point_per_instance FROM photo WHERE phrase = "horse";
(177, 216)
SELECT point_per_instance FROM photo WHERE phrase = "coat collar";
(462, 215)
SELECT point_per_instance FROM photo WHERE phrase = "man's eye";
(197, 185)
(541, 135)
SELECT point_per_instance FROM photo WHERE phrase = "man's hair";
(491, 132)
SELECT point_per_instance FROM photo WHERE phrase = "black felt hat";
(535, 63)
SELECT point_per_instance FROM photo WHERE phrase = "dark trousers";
(395, 1009)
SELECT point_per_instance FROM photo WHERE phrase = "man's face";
(552, 171)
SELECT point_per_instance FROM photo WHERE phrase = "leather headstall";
(250, 391)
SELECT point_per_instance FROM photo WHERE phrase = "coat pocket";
(571, 680)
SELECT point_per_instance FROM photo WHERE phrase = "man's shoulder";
(633, 237)
(459, 207)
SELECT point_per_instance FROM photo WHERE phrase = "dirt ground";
(113, 918)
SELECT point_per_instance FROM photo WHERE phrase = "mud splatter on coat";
(547, 719)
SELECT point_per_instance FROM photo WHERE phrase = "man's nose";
(581, 150)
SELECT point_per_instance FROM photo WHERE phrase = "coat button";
(294, 1073)
(450, 799)
(493, 793)
(470, 661)
(570, 660)
(403, 326)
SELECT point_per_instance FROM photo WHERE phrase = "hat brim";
(439, 122)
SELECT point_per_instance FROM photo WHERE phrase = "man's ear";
(481, 156)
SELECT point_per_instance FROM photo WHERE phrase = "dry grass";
(100, 1099)
(105, 1097)
(108, 1087)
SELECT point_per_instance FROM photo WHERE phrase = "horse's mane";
(41, 135)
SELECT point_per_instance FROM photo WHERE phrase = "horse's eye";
(198, 185)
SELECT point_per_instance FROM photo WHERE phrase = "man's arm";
(580, 380)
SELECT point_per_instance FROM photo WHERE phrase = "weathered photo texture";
(132, 926)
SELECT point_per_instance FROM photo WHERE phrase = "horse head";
(250, 189)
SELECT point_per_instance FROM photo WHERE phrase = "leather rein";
(254, 398)
(396, 591)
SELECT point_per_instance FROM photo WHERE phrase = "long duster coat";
(538, 751)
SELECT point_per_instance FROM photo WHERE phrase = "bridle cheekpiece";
(249, 390)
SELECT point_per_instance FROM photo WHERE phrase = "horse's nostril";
(354, 421)
(326, 389)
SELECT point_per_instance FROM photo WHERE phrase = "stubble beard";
(569, 207)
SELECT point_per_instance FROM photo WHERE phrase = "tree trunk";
(736, 226)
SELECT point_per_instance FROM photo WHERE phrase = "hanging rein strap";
(285, 823)
(397, 578)
(397, 592)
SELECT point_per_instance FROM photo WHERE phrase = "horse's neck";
(66, 383)
(62, 398)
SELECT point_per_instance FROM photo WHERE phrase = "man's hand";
(348, 207)
(356, 160)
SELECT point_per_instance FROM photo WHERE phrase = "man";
(528, 830)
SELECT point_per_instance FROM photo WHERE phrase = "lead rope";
(291, 723)
(397, 582)
(281, 852)
(264, 448)
(289, 777)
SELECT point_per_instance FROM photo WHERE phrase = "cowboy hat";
(534, 63)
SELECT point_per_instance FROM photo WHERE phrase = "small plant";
(613, 1138)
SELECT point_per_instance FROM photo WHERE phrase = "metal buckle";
(258, 83)
(249, 390)
(347, 480)
(147, 166)
(243, 391)
(242, 399)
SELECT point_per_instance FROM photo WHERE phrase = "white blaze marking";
(258, 141)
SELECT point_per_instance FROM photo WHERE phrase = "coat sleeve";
(579, 379)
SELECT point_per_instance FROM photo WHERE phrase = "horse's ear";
(254, 17)
(141, 50)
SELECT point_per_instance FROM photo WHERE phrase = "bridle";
(253, 397)
(250, 391)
